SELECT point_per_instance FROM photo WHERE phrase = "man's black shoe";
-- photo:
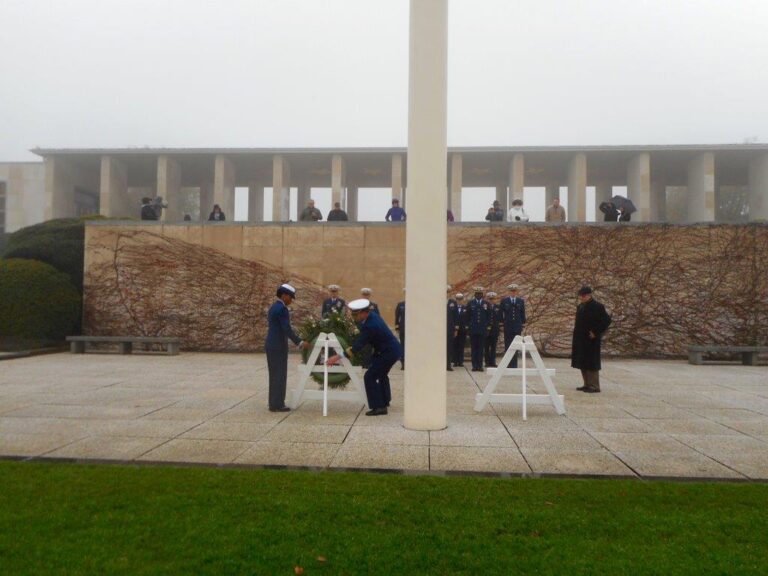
(591, 391)
(581, 388)
(376, 412)
(449, 369)
(283, 409)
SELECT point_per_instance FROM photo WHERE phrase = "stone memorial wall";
(665, 285)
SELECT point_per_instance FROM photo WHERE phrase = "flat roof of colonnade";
(372, 166)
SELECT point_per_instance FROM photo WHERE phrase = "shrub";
(59, 243)
(37, 303)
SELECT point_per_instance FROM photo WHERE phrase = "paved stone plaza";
(653, 419)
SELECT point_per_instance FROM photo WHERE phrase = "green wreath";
(345, 330)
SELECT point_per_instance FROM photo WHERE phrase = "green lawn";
(78, 519)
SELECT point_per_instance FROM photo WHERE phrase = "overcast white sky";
(108, 73)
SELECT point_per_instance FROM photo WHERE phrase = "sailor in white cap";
(333, 303)
(365, 294)
(278, 333)
(513, 318)
(386, 351)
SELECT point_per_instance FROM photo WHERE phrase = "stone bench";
(125, 343)
(748, 353)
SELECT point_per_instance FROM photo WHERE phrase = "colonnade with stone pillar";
(114, 181)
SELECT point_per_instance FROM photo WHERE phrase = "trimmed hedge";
(37, 302)
(60, 243)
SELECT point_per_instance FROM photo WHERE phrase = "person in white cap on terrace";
(278, 333)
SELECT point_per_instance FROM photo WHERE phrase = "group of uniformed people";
(482, 320)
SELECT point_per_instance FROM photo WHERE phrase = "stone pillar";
(577, 189)
(60, 190)
(206, 200)
(551, 191)
(352, 197)
(701, 188)
(516, 180)
(113, 191)
(659, 200)
(281, 192)
(169, 187)
(603, 193)
(255, 202)
(397, 179)
(426, 232)
(224, 186)
(758, 188)
(639, 185)
(338, 180)
(456, 185)
(501, 197)
(304, 193)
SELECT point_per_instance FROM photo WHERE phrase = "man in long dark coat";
(400, 327)
(591, 323)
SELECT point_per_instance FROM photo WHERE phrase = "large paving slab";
(653, 419)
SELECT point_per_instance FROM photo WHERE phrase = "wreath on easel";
(345, 330)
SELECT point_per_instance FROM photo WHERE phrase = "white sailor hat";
(448, 288)
(333, 287)
(512, 287)
(359, 304)
(478, 289)
(491, 294)
(459, 296)
(365, 290)
(286, 289)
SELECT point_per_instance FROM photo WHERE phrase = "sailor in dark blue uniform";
(479, 325)
(333, 303)
(451, 329)
(386, 351)
(400, 327)
(279, 321)
(460, 340)
(513, 318)
(365, 294)
(493, 333)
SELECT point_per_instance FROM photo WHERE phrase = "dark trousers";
(401, 334)
(508, 337)
(277, 365)
(449, 349)
(490, 348)
(376, 379)
(477, 342)
(591, 379)
(458, 347)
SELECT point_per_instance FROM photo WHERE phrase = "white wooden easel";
(525, 346)
(325, 343)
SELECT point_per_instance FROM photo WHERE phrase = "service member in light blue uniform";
(386, 351)
(479, 325)
(278, 333)
(513, 318)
